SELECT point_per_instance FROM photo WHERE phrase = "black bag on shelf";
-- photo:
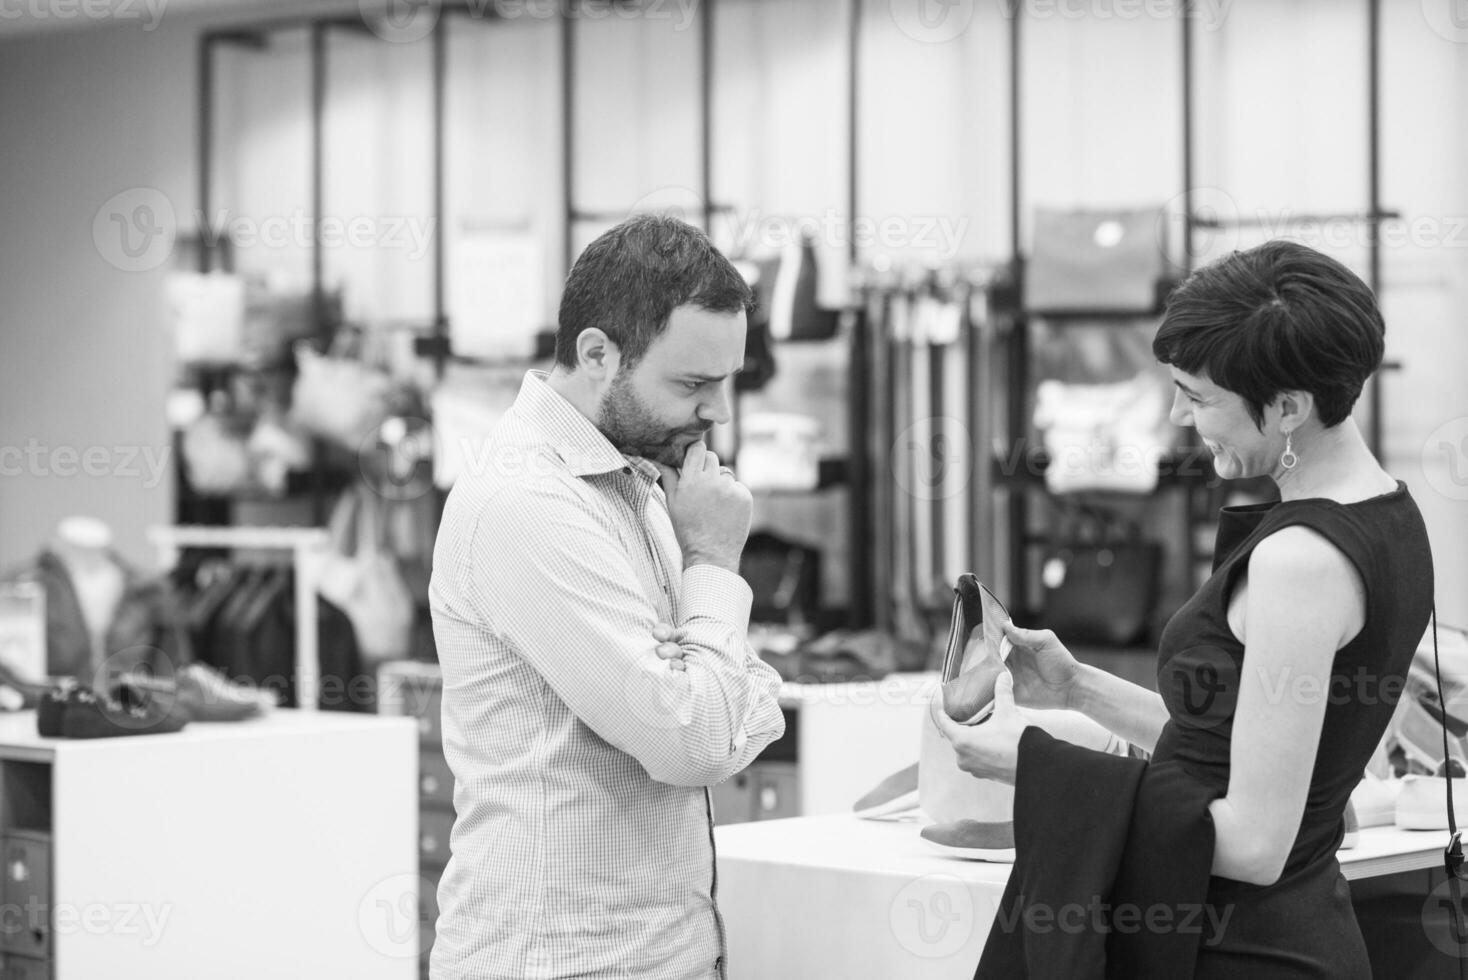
(1108, 260)
(1102, 588)
(785, 577)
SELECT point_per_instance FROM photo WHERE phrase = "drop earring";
(1288, 459)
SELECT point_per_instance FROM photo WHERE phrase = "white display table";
(282, 847)
(834, 896)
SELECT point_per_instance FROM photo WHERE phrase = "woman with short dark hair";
(1280, 675)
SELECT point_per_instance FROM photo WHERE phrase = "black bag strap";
(1453, 853)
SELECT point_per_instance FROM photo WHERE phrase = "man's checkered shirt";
(583, 844)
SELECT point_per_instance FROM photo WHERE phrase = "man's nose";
(715, 409)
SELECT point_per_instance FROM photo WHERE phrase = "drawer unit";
(734, 799)
(13, 967)
(764, 791)
(26, 928)
(776, 790)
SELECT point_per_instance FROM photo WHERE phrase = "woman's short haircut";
(628, 282)
(1278, 317)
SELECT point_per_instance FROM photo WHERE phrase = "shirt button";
(627, 470)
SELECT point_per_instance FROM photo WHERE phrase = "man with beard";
(582, 746)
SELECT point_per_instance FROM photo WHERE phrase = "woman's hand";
(1044, 670)
(989, 750)
(669, 646)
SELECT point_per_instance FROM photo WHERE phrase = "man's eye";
(692, 385)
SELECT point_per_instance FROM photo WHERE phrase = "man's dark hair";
(1278, 317)
(628, 282)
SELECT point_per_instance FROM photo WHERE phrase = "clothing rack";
(308, 548)
(929, 425)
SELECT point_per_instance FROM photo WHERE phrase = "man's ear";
(1295, 409)
(597, 354)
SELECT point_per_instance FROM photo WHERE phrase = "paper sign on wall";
(496, 291)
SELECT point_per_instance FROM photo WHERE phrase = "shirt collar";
(573, 436)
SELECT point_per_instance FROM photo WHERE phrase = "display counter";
(834, 896)
(279, 847)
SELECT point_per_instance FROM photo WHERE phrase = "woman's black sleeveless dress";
(1303, 925)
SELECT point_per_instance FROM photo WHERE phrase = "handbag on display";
(785, 577)
(338, 397)
(1101, 585)
(1104, 436)
(361, 576)
(794, 310)
(216, 451)
(1105, 260)
(207, 311)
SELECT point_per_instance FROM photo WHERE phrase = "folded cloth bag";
(1128, 835)
(361, 576)
(337, 398)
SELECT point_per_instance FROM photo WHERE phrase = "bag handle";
(372, 524)
(343, 532)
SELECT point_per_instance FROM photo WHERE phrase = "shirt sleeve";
(556, 583)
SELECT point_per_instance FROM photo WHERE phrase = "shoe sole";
(995, 855)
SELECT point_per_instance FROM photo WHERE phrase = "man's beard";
(629, 425)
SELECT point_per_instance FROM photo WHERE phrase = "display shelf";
(140, 831)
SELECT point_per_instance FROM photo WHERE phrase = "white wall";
(83, 354)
